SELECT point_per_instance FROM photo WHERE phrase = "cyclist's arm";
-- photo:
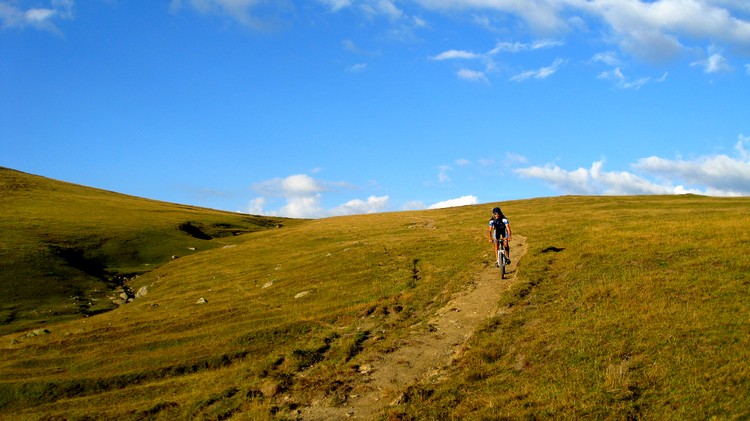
(510, 234)
(489, 233)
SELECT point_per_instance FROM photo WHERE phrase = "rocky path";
(422, 357)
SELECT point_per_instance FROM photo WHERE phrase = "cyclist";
(498, 231)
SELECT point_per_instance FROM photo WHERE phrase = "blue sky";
(330, 107)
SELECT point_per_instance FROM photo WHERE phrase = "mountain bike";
(501, 261)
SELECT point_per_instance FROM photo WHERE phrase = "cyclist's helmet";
(496, 210)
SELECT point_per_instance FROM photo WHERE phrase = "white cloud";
(741, 149)
(303, 198)
(303, 195)
(381, 8)
(357, 206)
(608, 57)
(255, 207)
(515, 158)
(299, 185)
(456, 54)
(39, 15)
(722, 175)
(541, 15)
(302, 207)
(42, 18)
(336, 5)
(461, 201)
(655, 30)
(577, 181)
(488, 58)
(472, 75)
(403, 26)
(594, 181)
(510, 47)
(541, 73)
(623, 82)
(715, 63)
(388, 8)
(357, 68)
(483, 21)
(646, 28)
(714, 175)
(517, 47)
(260, 15)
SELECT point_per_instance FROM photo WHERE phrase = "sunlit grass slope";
(624, 308)
(305, 299)
(64, 247)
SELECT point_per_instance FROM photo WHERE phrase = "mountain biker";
(498, 231)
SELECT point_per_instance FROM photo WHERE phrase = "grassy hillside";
(626, 308)
(623, 308)
(64, 248)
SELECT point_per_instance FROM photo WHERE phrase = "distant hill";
(617, 308)
(65, 248)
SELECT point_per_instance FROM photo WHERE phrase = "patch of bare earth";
(423, 357)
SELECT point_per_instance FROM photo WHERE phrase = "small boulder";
(365, 369)
(37, 332)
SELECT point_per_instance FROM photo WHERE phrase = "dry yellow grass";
(624, 307)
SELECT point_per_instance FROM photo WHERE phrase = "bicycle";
(501, 261)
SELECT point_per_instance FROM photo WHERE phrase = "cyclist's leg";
(506, 247)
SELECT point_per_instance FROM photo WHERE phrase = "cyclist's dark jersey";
(499, 227)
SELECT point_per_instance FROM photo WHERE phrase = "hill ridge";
(62, 240)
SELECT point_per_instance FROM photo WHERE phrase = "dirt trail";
(424, 356)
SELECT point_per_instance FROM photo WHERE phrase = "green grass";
(65, 248)
(624, 308)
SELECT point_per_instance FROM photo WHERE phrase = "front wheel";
(501, 260)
